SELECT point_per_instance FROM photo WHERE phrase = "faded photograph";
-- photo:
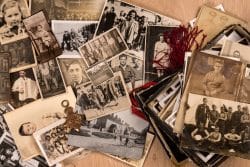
(219, 76)
(11, 25)
(108, 97)
(4, 77)
(131, 68)
(69, 9)
(99, 73)
(49, 79)
(244, 94)
(24, 88)
(42, 37)
(103, 47)
(121, 134)
(73, 34)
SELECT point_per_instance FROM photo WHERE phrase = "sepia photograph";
(121, 134)
(39, 31)
(4, 77)
(24, 121)
(69, 9)
(11, 28)
(103, 47)
(219, 76)
(73, 34)
(108, 97)
(49, 79)
(244, 94)
(52, 141)
(157, 52)
(24, 88)
(22, 54)
(132, 22)
(99, 73)
(131, 68)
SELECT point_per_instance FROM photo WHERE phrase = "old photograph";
(244, 93)
(22, 54)
(131, 68)
(4, 77)
(4, 108)
(103, 47)
(46, 45)
(73, 34)
(69, 9)
(121, 134)
(99, 73)
(217, 125)
(49, 79)
(108, 97)
(220, 77)
(52, 140)
(24, 121)
(24, 88)
(132, 22)
(157, 52)
(11, 28)
(73, 70)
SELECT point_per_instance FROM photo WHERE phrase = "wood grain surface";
(184, 10)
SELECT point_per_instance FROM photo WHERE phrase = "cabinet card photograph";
(42, 37)
(49, 79)
(69, 9)
(103, 47)
(4, 77)
(52, 141)
(108, 97)
(131, 68)
(121, 134)
(24, 121)
(24, 88)
(73, 34)
(22, 54)
(11, 28)
(217, 125)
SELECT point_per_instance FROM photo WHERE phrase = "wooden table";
(183, 10)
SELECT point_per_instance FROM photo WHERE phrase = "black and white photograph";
(99, 73)
(24, 88)
(69, 9)
(11, 28)
(73, 70)
(108, 97)
(4, 77)
(4, 108)
(132, 22)
(49, 79)
(131, 68)
(52, 140)
(39, 31)
(121, 134)
(22, 54)
(73, 34)
(157, 52)
(217, 125)
(103, 47)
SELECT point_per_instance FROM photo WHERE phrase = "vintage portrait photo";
(220, 77)
(121, 134)
(11, 25)
(49, 79)
(132, 22)
(131, 68)
(108, 97)
(24, 88)
(22, 54)
(73, 70)
(4, 77)
(244, 93)
(157, 52)
(46, 45)
(52, 140)
(69, 9)
(24, 121)
(73, 34)
(99, 73)
(217, 125)
(103, 47)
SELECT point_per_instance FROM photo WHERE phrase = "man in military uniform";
(201, 114)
